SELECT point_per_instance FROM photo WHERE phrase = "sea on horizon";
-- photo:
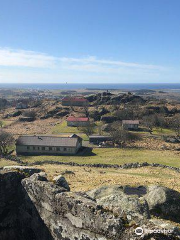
(104, 86)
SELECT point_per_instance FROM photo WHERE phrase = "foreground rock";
(22, 169)
(164, 202)
(121, 200)
(19, 219)
(140, 202)
(61, 181)
(33, 208)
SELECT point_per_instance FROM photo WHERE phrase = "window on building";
(58, 149)
(65, 149)
(34, 148)
(50, 148)
(43, 148)
(28, 147)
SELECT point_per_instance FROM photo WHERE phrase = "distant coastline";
(175, 86)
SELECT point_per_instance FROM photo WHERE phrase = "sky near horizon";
(90, 41)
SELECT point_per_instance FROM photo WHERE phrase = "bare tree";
(175, 124)
(6, 141)
(89, 129)
(121, 136)
(149, 122)
(160, 121)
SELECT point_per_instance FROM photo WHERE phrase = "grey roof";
(51, 141)
(130, 122)
(99, 136)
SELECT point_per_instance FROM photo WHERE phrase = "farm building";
(130, 124)
(77, 121)
(48, 145)
(74, 101)
(96, 139)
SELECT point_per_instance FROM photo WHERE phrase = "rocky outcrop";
(123, 199)
(139, 203)
(23, 169)
(19, 219)
(164, 202)
(34, 208)
(61, 181)
(107, 98)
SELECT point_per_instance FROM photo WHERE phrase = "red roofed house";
(74, 101)
(77, 121)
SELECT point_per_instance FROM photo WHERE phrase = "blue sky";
(90, 41)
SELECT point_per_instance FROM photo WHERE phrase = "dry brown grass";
(85, 178)
(36, 127)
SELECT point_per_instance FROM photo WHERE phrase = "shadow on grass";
(86, 151)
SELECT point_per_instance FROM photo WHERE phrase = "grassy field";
(63, 128)
(163, 131)
(4, 162)
(6, 122)
(85, 179)
(115, 156)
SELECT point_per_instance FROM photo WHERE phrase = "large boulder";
(140, 202)
(164, 202)
(61, 182)
(127, 200)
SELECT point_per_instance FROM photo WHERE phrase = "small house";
(130, 124)
(48, 145)
(97, 139)
(77, 121)
(75, 101)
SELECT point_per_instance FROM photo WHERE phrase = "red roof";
(76, 119)
(74, 99)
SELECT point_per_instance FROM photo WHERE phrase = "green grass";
(4, 162)
(163, 131)
(63, 128)
(6, 122)
(115, 156)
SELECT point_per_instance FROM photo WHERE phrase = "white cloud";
(93, 61)
(21, 58)
(28, 66)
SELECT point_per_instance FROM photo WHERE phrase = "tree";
(31, 114)
(6, 141)
(175, 124)
(121, 136)
(3, 103)
(89, 129)
(149, 122)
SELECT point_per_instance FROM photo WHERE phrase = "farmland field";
(114, 156)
